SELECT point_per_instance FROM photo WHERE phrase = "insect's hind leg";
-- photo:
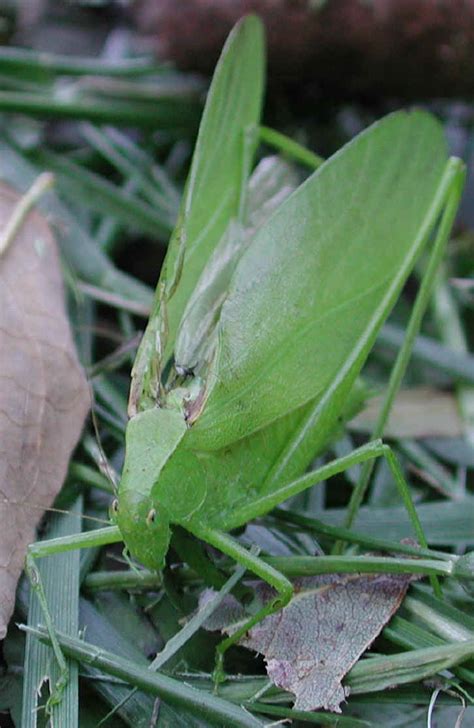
(444, 206)
(267, 573)
(370, 451)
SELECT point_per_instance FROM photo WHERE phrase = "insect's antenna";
(111, 360)
(103, 463)
(212, 377)
(103, 332)
(51, 509)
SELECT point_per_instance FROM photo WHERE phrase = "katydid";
(261, 325)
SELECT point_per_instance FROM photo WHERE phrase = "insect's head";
(144, 527)
(151, 439)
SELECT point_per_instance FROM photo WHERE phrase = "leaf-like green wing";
(221, 161)
(212, 198)
(272, 181)
(311, 291)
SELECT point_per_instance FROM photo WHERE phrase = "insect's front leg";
(274, 578)
(57, 690)
(60, 573)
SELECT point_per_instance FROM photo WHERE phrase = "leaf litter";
(44, 396)
(417, 413)
(312, 643)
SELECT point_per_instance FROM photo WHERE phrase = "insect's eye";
(114, 507)
(151, 517)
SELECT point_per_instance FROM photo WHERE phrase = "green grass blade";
(439, 616)
(111, 580)
(380, 673)
(79, 249)
(99, 140)
(290, 148)
(442, 480)
(211, 707)
(427, 351)
(410, 636)
(320, 719)
(309, 565)
(137, 709)
(452, 332)
(179, 639)
(445, 523)
(41, 66)
(136, 155)
(174, 115)
(96, 193)
(60, 576)
(337, 533)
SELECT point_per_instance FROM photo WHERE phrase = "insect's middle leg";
(225, 543)
(274, 578)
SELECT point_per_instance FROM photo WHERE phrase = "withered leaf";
(314, 641)
(43, 392)
(416, 413)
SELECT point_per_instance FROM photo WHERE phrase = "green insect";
(264, 315)
(257, 336)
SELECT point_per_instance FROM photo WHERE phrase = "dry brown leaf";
(314, 641)
(416, 413)
(44, 396)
